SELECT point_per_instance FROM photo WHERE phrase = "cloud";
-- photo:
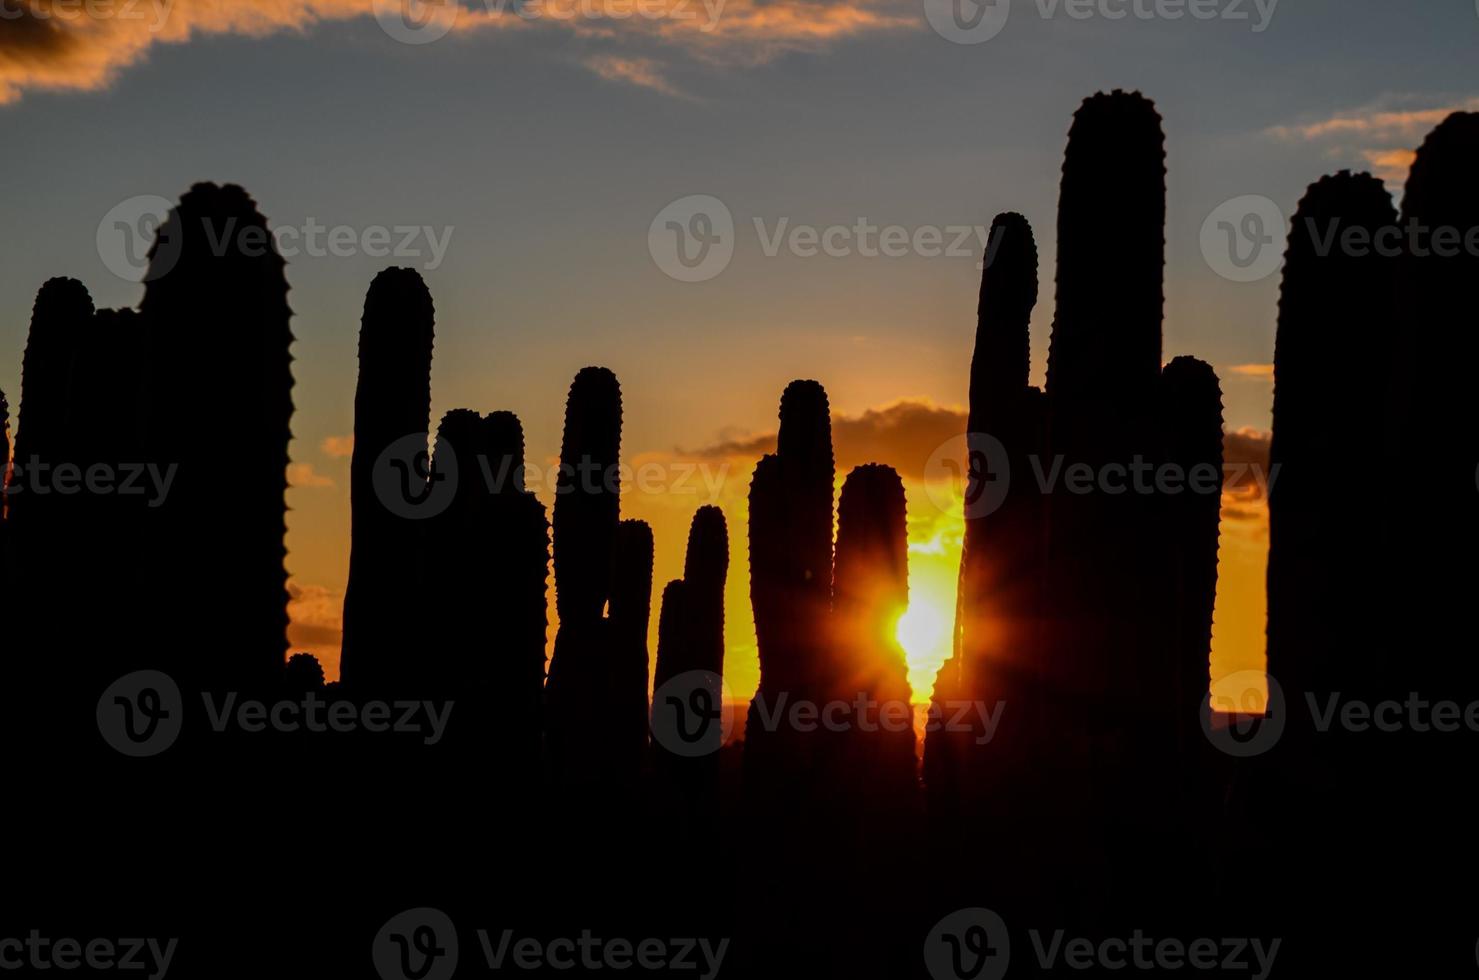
(303, 476)
(1382, 136)
(337, 447)
(1262, 372)
(82, 45)
(316, 623)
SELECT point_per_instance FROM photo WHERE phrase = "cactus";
(1103, 383)
(631, 606)
(1436, 410)
(705, 569)
(303, 673)
(458, 570)
(392, 401)
(5, 578)
(220, 405)
(1335, 308)
(1191, 410)
(518, 532)
(871, 584)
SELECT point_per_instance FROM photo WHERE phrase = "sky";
(534, 154)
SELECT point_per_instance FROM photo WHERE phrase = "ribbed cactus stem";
(871, 583)
(704, 572)
(220, 405)
(587, 502)
(303, 673)
(392, 402)
(1336, 307)
(61, 316)
(631, 610)
(673, 646)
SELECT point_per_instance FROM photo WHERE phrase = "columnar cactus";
(5, 594)
(1336, 307)
(392, 402)
(1191, 411)
(303, 673)
(705, 569)
(871, 585)
(458, 569)
(220, 405)
(1437, 412)
(631, 611)
(1103, 372)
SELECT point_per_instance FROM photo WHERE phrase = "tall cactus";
(517, 533)
(220, 405)
(392, 401)
(1191, 408)
(1103, 382)
(690, 634)
(586, 521)
(1336, 307)
(1438, 411)
(458, 570)
(5, 583)
(631, 611)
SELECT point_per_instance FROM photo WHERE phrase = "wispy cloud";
(54, 45)
(337, 447)
(304, 476)
(1260, 372)
(1382, 136)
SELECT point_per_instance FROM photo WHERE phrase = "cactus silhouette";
(5, 577)
(631, 608)
(220, 406)
(1104, 365)
(585, 534)
(458, 569)
(1436, 411)
(1335, 308)
(1192, 428)
(517, 537)
(996, 646)
(392, 401)
(303, 673)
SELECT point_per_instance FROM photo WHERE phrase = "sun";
(924, 633)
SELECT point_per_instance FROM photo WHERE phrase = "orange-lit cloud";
(337, 447)
(304, 476)
(1262, 372)
(82, 45)
(1382, 137)
(316, 624)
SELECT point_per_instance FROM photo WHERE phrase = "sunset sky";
(546, 147)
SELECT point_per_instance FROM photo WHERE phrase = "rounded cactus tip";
(1187, 370)
(595, 379)
(803, 396)
(63, 293)
(303, 672)
(503, 435)
(397, 276)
